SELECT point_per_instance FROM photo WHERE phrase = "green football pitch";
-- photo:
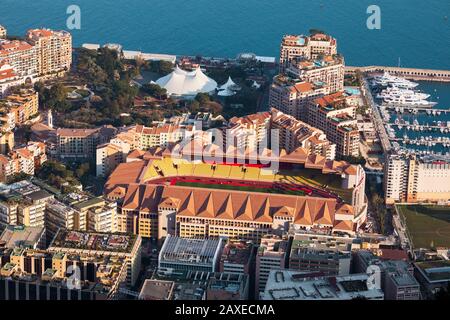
(427, 225)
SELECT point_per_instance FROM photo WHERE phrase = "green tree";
(154, 90)
(202, 98)
(82, 170)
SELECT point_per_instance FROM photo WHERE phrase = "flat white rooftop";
(297, 285)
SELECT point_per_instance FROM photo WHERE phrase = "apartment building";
(54, 50)
(294, 133)
(24, 105)
(41, 275)
(328, 71)
(333, 115)
(237, 257)
(31, 209)
(8, 212)
(22, 56)
(18, 161)
(109, 155)
(100, 246)
(396, 276)
(162, 135)
(8, 78)
(97, 215)
(310, 47)
(272, 254)
(327, 262)
(104, 262)
(37, 151)
(58, 215)
(292, 96)
(7, 118)
(249, 132)
(322, 44)
(22, 160)
(309, 68)
(410, 179)
(82, 143)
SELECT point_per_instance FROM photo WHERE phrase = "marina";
(413, 116)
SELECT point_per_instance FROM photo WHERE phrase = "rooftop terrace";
(93, 241)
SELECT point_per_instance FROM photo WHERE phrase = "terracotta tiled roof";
(345, 225)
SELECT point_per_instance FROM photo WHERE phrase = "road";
(376, 117)
(401, 231)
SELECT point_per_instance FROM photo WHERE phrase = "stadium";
(249, 198)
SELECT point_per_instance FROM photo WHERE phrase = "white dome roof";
(183, 83)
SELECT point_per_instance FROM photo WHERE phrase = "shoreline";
(417, 74)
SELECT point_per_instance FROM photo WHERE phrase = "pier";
(423, 142)
(425, 127)
(408, 73)
(433, 111)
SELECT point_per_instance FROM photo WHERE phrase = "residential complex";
(273, 253)
(81, 143)
(21, 236)
(104, 262)
(326, 71)
(310, 47)
(22, 57)
(22, 160)
(337, 118)
(249, 132)
(23, 106)
(109, 155)
(310, 87)
(54, 50)
(409, 179)
(294, 134)
(292, 97)
(42, 54)
(26, 204)
(116, 247)
(309, 68)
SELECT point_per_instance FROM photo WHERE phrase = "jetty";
(407, 73)
(432, 111)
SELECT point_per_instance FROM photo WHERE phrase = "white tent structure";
(226, 93)
(187, 84)
(256, 85)
(229, 85)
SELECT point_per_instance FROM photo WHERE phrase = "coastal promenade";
(408, 73)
